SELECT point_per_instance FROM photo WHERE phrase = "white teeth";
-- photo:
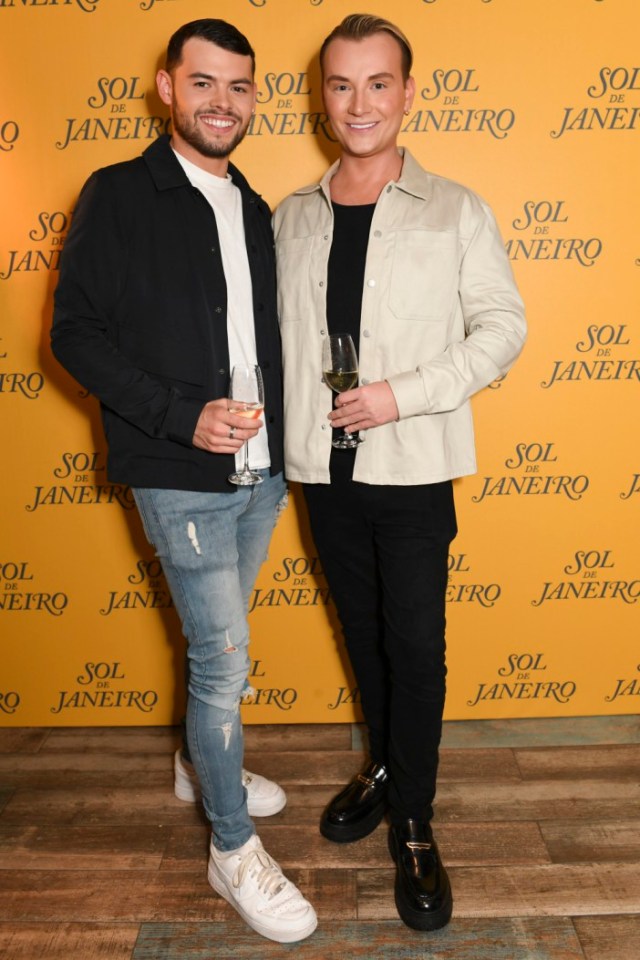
(361, 126)
(221, 124)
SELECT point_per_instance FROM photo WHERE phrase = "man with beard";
(166, 282)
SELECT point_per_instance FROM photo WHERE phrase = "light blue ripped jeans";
(211, 546)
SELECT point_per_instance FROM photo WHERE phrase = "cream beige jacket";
(441, 319)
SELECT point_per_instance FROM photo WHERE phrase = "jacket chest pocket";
(293, 260)
(424, 275)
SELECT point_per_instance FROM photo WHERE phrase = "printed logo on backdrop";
(149, 591)
(119, 114)
(591, 578)
(318, 3)
(85, 6)
(453, 103)
(298, 590)
(534, 469)
(265, 696)
(345, 696)
(281, 100)
(148, 4)
(20, 591)
(524, 677)
(9, 134)
(633, 488)
(627, 687)
(78, 472)
(9, 701)
(27, 384)
(541, 220)
(100, 685)
(49, 233)
(617, 91)
(462, 589)
(263, 3)
(601, 345)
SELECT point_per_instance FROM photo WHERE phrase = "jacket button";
(366, 333)
(272, 419)
(218, 309)
(222, 371)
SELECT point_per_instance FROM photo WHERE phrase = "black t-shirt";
(345, 280)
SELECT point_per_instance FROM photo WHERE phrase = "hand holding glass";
(246, 399)
(340, 371)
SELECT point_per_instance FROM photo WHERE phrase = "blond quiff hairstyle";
(358, 26)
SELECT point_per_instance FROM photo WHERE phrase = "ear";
(409, 93)
(165, 86)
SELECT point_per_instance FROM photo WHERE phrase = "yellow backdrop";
(533, 103)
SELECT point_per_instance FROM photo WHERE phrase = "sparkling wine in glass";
(246, 399)
(340, 371)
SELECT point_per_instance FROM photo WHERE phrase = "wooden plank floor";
(538, 822)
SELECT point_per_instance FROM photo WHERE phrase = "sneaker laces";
(268, 875)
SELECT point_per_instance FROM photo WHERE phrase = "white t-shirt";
(226, 201)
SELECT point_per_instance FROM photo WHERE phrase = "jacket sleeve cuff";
(181, 419)
(409, 391)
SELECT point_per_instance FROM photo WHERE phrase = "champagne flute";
(340, 371)
(246, 399)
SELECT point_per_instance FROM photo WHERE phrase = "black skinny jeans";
(384, 550)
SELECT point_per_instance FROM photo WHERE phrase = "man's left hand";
(365, 407)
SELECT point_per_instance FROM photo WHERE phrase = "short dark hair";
(220, 32)
(359, 26)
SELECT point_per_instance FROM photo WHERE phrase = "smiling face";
(365, 93)
(212, 95)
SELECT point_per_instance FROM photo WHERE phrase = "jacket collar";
(413, 179)
(167, 174)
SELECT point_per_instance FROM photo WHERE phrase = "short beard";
(189, 131)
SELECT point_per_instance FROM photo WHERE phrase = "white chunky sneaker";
(252, 882)
(264, 797)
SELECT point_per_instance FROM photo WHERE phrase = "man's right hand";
(220, 431)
